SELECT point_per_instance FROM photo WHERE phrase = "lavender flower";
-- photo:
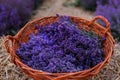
(61, 47)
(15, 13)
(112, 12)
(89, 4)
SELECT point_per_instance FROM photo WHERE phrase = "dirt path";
(53, 7)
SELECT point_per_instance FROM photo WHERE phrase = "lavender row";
(15, 13)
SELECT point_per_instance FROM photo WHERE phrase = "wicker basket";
(23, 36)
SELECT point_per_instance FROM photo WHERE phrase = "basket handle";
(104, 20)
(7, 43)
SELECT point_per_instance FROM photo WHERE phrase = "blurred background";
(14, 14)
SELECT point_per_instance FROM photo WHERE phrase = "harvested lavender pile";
(62, 47)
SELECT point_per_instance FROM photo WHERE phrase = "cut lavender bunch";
(62, 47)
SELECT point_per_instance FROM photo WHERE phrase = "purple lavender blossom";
(61, 47)
(112, 12)
(15, 13)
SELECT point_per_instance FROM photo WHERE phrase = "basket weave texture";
(12, 44)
